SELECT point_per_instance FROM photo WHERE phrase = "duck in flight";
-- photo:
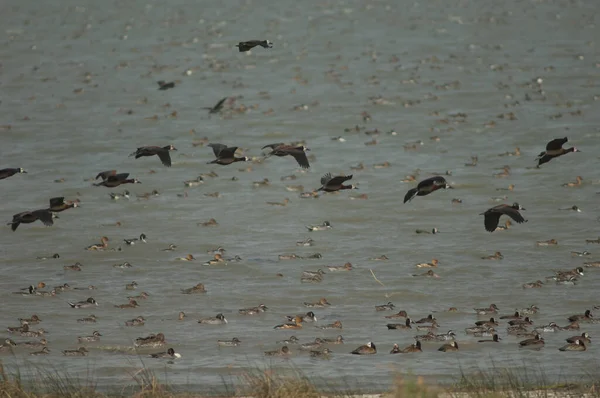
(332, 184)
(248, 45)
(298, 152)
(553, 150)
(426, 187)
(492, 216)
(162, 152)
(225, 155)
(27, 217)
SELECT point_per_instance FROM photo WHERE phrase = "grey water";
(79, 94)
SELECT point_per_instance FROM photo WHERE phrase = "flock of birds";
(518, 322)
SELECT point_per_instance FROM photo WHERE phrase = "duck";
(308, 317)
(234, 342)
(153, 340)
(426, 231)
(90, 302)
(550, 242)
(321, 303)
(218, 319)
(427, 186)
(571, 326)
(385, 307)
(199, 288)
(114, 181)
(147, 195)
(399, 314)
(55, 255)
(88, 319)
(94, 337)
(80, 352)
(5, 173)
(495, 256)
(585, 337)
(432, 264)
(492, 215)
(210, 223)
(141, 296)
(218, 107)
(282, 352)
(32, 333)
(295, 324)
(318, 272)
(33, 320)
(400, 326)
(7, 345)
(536, 342)
(533, 285)
(429, 327)
(491, 323)
(189, 257)
(415, 347)
(580, 254)
(291, 340)
(311, 278)
(429, 319)
(18, 329)
(551, 327)
(130, 304)
(578, 210)
(495, 339)
(73, 267)
(27, 217)
(577, 182)
(280, 204)
(58, 204)
(449, 335)
(532, 309)
(524, 321)
(131, 286)
(225, 155)
(330, 183)
(161, 152)
(492, 309)
(133, 241)
(163, 85)
(575, 272)
(516, 315)
(124, 265)
(322, 227)
(244, 46)
(298, 152)
(99, 246)
(367, 349)
(170, 353)
(318, 342)
(320, 354)
(171, 248)
(253, 310)
(43, 351)
(217, 259)
(587, 316)
(34, 344)
(553, 150)
(195, 182)
(449, 347)
(334, 325)
(181, 316)
(138, 321)
(31, 290)
(578, 345)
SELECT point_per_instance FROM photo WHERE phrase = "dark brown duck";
(5, 173)
(225, 155)
(298, 152)
(27, 217)
(163, 85)
(161, 152)
(118, 179)
(58, 204)
(553, 150)
(426, 187)
(332, 184)
(492, 216)
(250, 44)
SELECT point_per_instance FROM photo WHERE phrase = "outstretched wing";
(436, 181)
(45, 216)
(228, 152)
(218, 106)
(491, 220)
(57, 201)
(514, 214)
(556, 144)
(164, 157)
(217, 148)
(339, 180)
(273, 146)
(105, 174)
(300, 156)
(326, 178)
(118, 177)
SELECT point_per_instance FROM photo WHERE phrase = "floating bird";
(553, 150)
(332, 184)
(250, 44)
(27, 217)
(5, 173)
(366, 349)
(162, 152)
(426, 187)
(225, 155)
(113, 181)
(492, 216)
(298, 152)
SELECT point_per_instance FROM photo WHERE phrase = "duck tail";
(410, 194)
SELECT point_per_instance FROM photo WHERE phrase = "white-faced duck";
(142, 239)
(578, 345)
(250, 44)
(218, 106)
(367, 349)
(161, 152)
(27, 217)
(170, 353)
(5, 173)
(298, 152)
(225, 155)
(492, 216)
(426, 187)
(90, 302)
(553, 150)
(332, 184)
(585, 337)
(112, 181)
(163, 85)
(415, 347)
(449, 347)
(321, 227)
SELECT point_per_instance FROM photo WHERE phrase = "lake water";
(79, 94)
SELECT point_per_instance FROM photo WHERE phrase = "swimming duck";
(318, 272)
(225, 155)
(161, 152)
(525, 321)
(330, 183)
(516, 315)
(495, 256)
(298, 152)
(449, 347)
(338, 340)
(27, 217)
(492, 309)
(580, 254)
(7, 345)
(385, 307)
(308, 317)
(234, 342)
(334, 325)
(18, 329)
(553, 150)
(495, 339)
(181, 316)
(399, 314)
(576, 272)
(571, 326)
(170, 353)
(141, 296)
(492, 215)
(27, 291)
(219, 319)
(282, 352)
(400, 326)
(34, 344)
(427, 186)
(432, 264)
(5, 173)
(88, 319)
(139, 321)
(216, 260)
(537, 342)
(449, 335)
(250, 44)
(163, 85)
(532, 309)
(578, 345)
(585, 337)
(551, 327)
(425, 231)
(153, 340)
(55, 255)
(281, 204)
(367, 349)
(114, 181)
(99, 246)
(480, 331)
(415, 347)
(199, 288)
(43, 351)
(430, 327)
(80, 352)
(312, 345)
(533, 285)
(189, 257)
(210, 223)
(133, 241)
(318, 304)
(550, 242)
(26, 332)
(429, 319)
(253, 310)
(305, 242)
(296, 324)
(74, 267)
(33, 320)
(311, 278)
(171, 248)
(491, 323)
(94, 337)
(131, 286)
(117, 196)
(586, 317)
(130, 304)
(322, 227)
(321, 354)
(90, 302)
(291, 340)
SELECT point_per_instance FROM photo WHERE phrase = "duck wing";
(514, 214)
(491, 219)
(228, 152)
(300, 156)
(326, 178)
(274, 146)
(339, 180)
(556, 144)
(218, 105)
(58, 201)
(164, 157)
(105, 174)
(217, 148)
